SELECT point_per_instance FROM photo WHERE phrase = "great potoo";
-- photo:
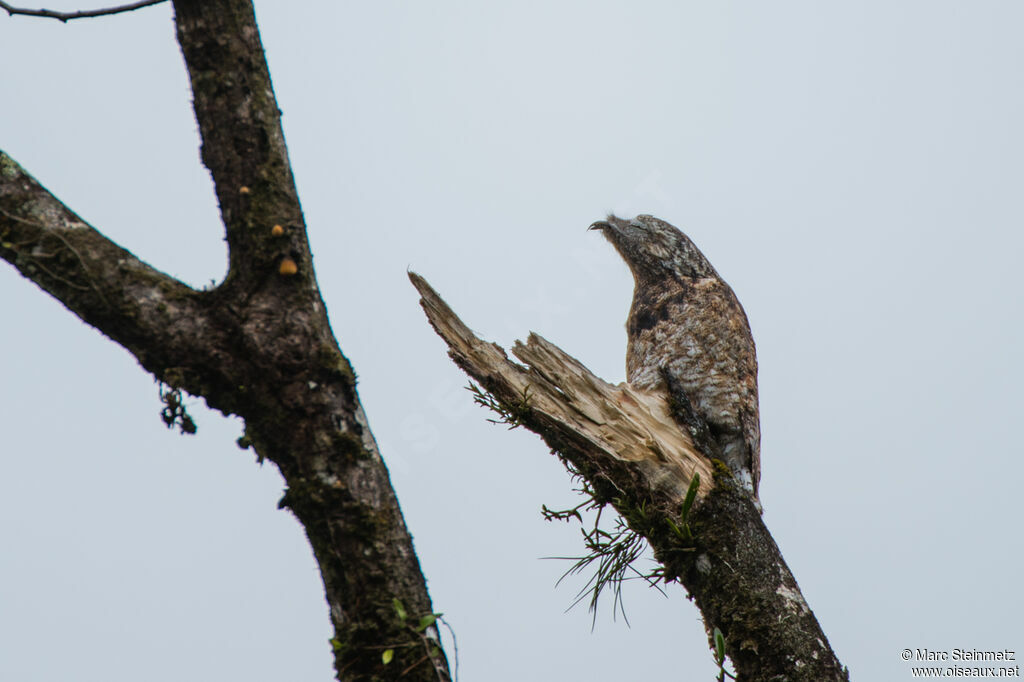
(689, 336)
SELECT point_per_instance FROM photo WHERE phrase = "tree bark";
(258, 346)
(639, 454)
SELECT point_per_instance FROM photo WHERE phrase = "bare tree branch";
(259, 345)
(632, 454)
(80, 14)
(133, 303)
(622, 428)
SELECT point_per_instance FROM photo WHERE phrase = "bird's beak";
(599, 225)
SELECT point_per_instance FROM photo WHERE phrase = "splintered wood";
(569, 403)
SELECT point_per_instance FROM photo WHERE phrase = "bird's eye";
(637, 223)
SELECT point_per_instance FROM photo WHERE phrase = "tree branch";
(637, 453)
(81, 14)
(299, 398)
(258, 346)
(136, 305)
(243, 143)
(619, 428)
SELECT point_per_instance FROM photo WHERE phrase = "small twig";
(81, 262)
(410, 668)
(455, 645)
(48, 232)
(80, 14)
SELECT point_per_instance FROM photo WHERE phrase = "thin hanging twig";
(80, 14)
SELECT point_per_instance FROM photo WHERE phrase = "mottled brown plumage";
(688, 333)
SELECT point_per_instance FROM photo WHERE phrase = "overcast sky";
(853, 170)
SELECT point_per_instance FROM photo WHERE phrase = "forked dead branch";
(618, 424)
(639, 453)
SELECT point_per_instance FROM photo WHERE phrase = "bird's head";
(653, 249)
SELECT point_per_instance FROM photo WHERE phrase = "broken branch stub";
(616, 430)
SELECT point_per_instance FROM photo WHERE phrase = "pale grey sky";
(852, 169)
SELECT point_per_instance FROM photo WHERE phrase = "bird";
(688, 337)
